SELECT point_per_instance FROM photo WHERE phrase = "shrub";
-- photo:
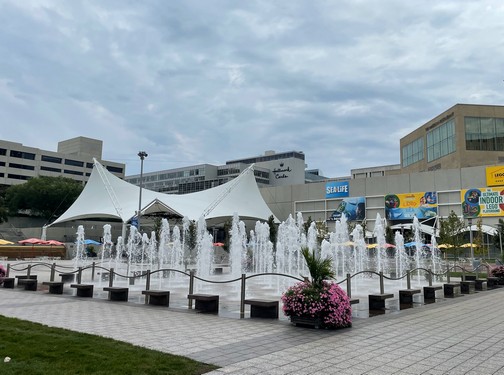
(328, 303)
(498, 272)
(3, 272)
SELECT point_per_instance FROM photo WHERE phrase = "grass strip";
(38, 349)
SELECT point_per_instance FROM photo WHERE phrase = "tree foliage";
(273, 230)
(451, 232)
(46, 197)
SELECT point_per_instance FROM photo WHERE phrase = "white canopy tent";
(106, 196)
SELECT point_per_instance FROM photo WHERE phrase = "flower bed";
(498, 272)
(327, 304)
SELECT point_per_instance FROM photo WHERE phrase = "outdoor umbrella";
(5, 242)
(32, 241)
(219, 244)
(444, 246)
(91, 242)
(468, 245)
(54, 242)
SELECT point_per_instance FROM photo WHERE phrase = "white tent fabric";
(106, 196)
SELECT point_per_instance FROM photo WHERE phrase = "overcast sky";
(207, 81)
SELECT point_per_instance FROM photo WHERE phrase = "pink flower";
(330, 303)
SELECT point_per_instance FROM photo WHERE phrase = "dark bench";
(480, 284)
(406, 296)
(206, 303)
(116, 293)
(467, 287)
(354, 301)
(157, 297)
(469, 277)
(377, 301)
(55, 287)
(429, 292)
(28, 284)
(67, 277)
(8, 282)
(451, 290)
(261, 308)
(492, 282)
(83, 290)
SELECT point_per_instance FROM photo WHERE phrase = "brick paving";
(464, 335)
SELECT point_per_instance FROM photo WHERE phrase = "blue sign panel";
(337, 189)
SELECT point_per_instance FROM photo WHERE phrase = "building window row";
(50, 169)
(18, 177)
(441, 141)
(22, 155)
(74, 163)
(484, 133)
(413, 152)
(76, 173)
(51, 159)
(3, 151)
(22, 166)
(110, 168)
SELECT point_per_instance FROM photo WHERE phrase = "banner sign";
(337, 189)
(483, 202)
(423, 205)
(353, 208)
(495, 175)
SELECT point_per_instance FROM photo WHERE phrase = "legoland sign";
(337, 189)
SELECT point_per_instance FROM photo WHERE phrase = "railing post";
(382, 287)
(53, 270)
(92, 271)
(463, 274)
(28, 272)
(147, 280)
(408, 279)
(242, 297)
(191, 288)
(349, 285)
(79, 276)
(430, 276)
(448, 273)
(147, 285)
(8, 270)
(111, 278)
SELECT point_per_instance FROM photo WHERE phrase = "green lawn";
(38, 349)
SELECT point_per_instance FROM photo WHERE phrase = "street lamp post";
(142, 155)
(469, 220)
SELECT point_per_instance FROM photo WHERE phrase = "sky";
(206, 81)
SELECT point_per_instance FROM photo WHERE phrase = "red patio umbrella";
(220, 244)
(32, 241)
(53, 242)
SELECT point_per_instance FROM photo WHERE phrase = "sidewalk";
(464, 335)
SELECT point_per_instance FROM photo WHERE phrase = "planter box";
(306, 322)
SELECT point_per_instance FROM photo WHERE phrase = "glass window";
(484, 133)
(413, 152)
(75, 163)
(441, 141)
(51, 159)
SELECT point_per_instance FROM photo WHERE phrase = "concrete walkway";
(458, 336)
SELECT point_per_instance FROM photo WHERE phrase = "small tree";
(273, 231)
(498, 238)
(322, 231)
(451, 232)
(478, 238)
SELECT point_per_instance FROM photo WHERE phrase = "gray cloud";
(205, 82)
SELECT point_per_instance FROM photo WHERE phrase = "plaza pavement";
(464, 335)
